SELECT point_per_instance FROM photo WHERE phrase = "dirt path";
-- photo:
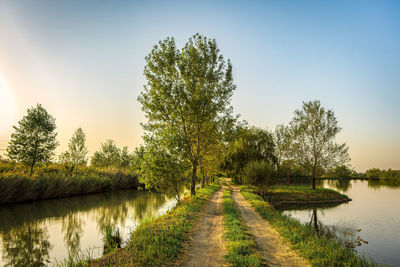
(206, 247)
(273, 248)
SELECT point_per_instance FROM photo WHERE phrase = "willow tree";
(314, 147)
(188, 92)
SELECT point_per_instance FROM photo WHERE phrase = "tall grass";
(59, 180)
(241, 247)
(319, 250)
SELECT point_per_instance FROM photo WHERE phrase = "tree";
(339, 172)
(314, 147)
(163, 170)
(107, 156)
(34, 139)
(261, 174)
(77, 150)
(283, 140)
(251, 144)
(187, 98)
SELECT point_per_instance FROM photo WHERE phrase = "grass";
(319, 250)
(303, 194)
(58, 180)
(241, 247)
(159, 241)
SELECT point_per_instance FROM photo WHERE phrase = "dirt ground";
(206, 247)
(275, 251)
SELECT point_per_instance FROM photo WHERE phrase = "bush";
(261, 174)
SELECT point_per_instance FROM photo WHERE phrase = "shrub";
(261, 174)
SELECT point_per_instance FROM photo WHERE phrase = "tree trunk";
(203, 180)
(194, 178)
(32, 165)
(313, 179)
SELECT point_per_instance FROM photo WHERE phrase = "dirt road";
(206, 247)
(273, 248)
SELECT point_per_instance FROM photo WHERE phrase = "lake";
(374, 209)
(47, 232)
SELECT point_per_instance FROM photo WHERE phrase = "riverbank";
(159, 241)
(320, 250)
(301, 195)
(57, 180)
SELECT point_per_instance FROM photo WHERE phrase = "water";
(375, 209)
(46, 232)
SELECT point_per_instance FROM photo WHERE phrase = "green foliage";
(112, 239)
(389, 174)
(58, 180)
(163, 171)
(111, 156)
(241, 247)
(340, 172)
(34, 139)
(314, 147)
(187, 98)
(261, 174)
(77, 150)
(159, 241)
(283, 139)
(250, 144)
(320, 250)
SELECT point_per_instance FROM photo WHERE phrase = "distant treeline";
(343, 172)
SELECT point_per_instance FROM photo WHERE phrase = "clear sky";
(84, 61)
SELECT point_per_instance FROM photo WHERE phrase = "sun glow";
(8, 106)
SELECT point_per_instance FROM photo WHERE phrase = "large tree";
(187, 96)
(314, 146)
(77, 150)
(34, 139)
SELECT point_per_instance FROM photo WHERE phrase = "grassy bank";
(159, 241)
(57, 180)
(280, 195)
(241, 247)
(319, 250)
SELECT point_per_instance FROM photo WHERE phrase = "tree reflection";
(26, 246)
(377, 184)
(72, 227)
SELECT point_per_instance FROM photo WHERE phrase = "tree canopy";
(187, 98)
(34, 139)
(250, 144)
(314, 147)
(77, 150)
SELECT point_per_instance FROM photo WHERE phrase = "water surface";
(46, 232)
(374, 209)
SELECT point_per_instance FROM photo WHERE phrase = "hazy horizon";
(84, 61)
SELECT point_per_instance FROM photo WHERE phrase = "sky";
(84, 61)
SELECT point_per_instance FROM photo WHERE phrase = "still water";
(374, 209)
(47, 232)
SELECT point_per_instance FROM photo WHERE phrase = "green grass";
(58, 180)
(319, 250)
(159, 241)
(301, 194)
(241, 247)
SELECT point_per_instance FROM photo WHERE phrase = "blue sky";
(84, 60)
